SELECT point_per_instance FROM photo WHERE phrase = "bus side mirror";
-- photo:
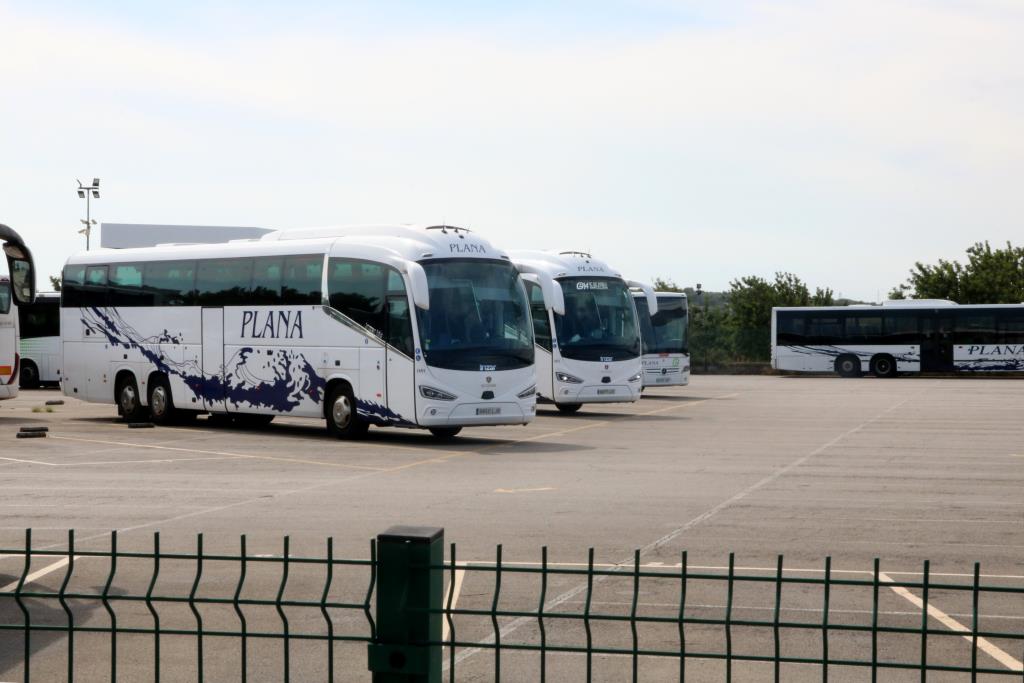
(23, 278)
(418, 285)
(652, 298)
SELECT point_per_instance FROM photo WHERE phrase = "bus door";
(937, 342)
(401, 372)
(213, 359)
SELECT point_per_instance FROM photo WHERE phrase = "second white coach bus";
(899, 336)
(17, 290)
(588, 337)
(40, 340)
(383, 325)
(664, 336)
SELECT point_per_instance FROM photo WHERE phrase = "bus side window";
(900, 327)
(974, 328)
(825, 329)
(301, 281)
(5, 297)
(1011, 326)
(791, 328)
(126, 285)
(541, 323)
(223, 282)
(266, 280)
(94, 292)
(170, 283)
(71, 286)
(357, 289)
(399, 332)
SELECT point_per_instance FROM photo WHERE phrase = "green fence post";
(410, 593)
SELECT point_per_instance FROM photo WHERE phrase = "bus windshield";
(479, 318)
(666, 331)
(599, 322)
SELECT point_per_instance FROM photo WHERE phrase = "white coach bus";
(899, 336)
(17, 290)
(384, 325)
(40, 346)
(588, 338)
(664, 337)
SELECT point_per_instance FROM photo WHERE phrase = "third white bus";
(40, 348)
(664, 335)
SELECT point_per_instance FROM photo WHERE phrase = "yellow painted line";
(985, 645)
(542, 488)
(222, 453)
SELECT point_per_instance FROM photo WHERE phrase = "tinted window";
(863, 328)
(302, 280)
(975, 328)
(399, 332)
(39, 319)
(170, 283)
(791, 328)
(5, 296)
(357, 289)
(600, 320)
(541, 321)
(266, 280)
(126, 285)
(71, 286)
(1011, 326)
(825, 328)
(94, 291)
(900, 327)
(223, 282)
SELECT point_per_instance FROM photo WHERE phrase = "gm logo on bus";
(590, 285)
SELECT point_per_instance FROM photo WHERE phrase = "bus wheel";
(568, 408)
(883, 366)
(342, 419)
(848, 366)
(445, 433)
(28, 378)
(161, 405)
(128, 400)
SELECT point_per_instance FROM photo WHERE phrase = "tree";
(751, 300)
(666, 285)
(990, 276)
(55, 282)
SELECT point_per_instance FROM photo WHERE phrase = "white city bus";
(17, 290)
(588, 339)
(384, 325)
(664, 336)
(899, 336)
(40, 346)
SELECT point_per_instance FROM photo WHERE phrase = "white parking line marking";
(952, 624)
(454, 590)
(542, 488)
(38, 574)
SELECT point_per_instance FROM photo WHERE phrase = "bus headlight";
(635, 378)
(567, 378)
(528, 392)
(435, 394)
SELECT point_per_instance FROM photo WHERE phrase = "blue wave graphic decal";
(836, 351)
(375, 413)
(293, 379)
(983, 365)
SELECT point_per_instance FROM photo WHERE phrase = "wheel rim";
(884, 367)
(128, 398)
(341, 411)
(158, 403)
(847, 366)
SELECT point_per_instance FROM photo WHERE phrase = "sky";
(697, 141)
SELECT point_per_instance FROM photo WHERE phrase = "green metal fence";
(524, 620)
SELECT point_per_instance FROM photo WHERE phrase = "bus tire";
(568, 408)
(445, 433)
(883, 365)
(28, 378)
(128, 402)
(342, 419)
(848, 365)
(161, 403)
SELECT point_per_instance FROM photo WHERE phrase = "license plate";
(488, 411)
(605, 392)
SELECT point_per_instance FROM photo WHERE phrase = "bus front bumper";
(599, 393)
(477, 414)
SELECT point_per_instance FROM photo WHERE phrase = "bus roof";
(896, 304)
(409, 242)
(662, 295)
(561, 264)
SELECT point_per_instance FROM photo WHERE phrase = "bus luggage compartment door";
(213, 359)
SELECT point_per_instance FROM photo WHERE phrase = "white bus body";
(17, 290)
(406, 326)
(665, 337)
(899, 336)
(588, 339)
(39, 324)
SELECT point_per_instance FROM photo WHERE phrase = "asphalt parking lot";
(903, 470)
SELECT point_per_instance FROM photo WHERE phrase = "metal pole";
(88, 217)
